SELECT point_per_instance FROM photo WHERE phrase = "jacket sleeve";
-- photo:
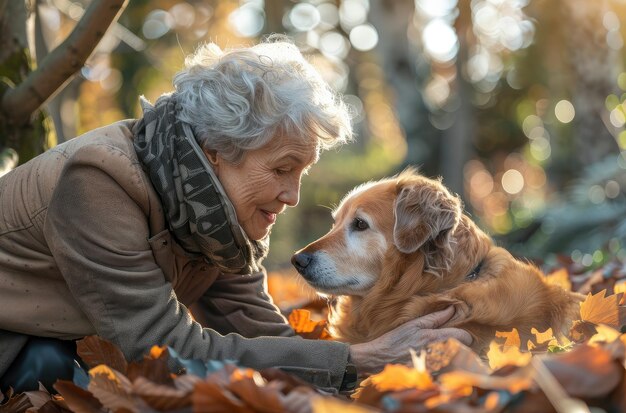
(97, 230)
(241, 304)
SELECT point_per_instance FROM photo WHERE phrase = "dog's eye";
(360, 224)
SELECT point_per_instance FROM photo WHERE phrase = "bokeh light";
(564, 111)
(440, 40)
(364, 37)
(247, 20)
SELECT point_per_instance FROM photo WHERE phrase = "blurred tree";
(22, 131)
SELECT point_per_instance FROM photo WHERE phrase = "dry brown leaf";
(585, 371)
(186, 382)
(582, 331)
(153, 367)
(250, 387)
(112, 389)
(15, 403)
(452, 355)
(210, 397)
(500, 356)
(599, 309)
(38, 398)
(94, 350)
(300, 321)
(48, 407)
(77, 399)
(161, 397)
(561, 278)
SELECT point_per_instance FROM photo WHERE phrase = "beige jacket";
(84, 249)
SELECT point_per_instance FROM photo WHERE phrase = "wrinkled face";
(265, 182)
(349, 259)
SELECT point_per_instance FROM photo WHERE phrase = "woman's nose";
(290, 195)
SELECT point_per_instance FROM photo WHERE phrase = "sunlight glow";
(440, 40)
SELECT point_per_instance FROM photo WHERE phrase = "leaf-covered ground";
(584, 372)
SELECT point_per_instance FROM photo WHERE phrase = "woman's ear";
(213, 158)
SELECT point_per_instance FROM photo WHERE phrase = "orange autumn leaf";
(542, 340)
(546, 336)
(599, 309)
(500, 356)
(560, 278)
(300, 321)
(512, 338)
(397, 377)
(157, 351)
(620, 287)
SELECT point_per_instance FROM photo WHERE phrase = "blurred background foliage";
(519, 105)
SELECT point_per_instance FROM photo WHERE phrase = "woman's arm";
(241, 304)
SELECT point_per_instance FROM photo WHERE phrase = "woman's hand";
(393, 346)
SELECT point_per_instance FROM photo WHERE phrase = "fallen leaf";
(604, 334)
(452, 355)
(252, 389)
(599, 309)
(332, 405)
(501, 355)
(511, 338)
(396, 377)
(78, 400)
(153, 367)
(161, 397)
(300, 321)
(112, 389)
(520, 379)
(210, 397)
(94, 350)
(561, 278)
(585, 371)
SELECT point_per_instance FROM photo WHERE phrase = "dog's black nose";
(301, 260)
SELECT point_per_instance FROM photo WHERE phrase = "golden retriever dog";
(402, 247)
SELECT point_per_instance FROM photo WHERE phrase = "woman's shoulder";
(116, 136)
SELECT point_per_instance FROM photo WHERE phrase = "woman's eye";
(282, 171)
(360, 224)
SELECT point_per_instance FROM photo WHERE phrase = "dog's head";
(378, 224)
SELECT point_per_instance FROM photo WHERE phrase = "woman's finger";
(433, 320)
(446, 333)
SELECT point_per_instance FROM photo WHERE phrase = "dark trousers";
(42, 359)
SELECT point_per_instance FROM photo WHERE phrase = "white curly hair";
(239, 99)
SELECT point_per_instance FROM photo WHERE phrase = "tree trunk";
(22, 141)
(26, 91)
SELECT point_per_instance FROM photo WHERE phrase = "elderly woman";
(123, 230)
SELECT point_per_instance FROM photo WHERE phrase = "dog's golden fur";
(402, 247)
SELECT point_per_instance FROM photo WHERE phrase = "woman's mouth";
(269, 216)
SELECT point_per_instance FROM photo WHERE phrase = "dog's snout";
(301, 260)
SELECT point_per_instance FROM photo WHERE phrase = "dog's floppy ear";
(425, 211)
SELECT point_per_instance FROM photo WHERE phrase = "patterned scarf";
(199, 214)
